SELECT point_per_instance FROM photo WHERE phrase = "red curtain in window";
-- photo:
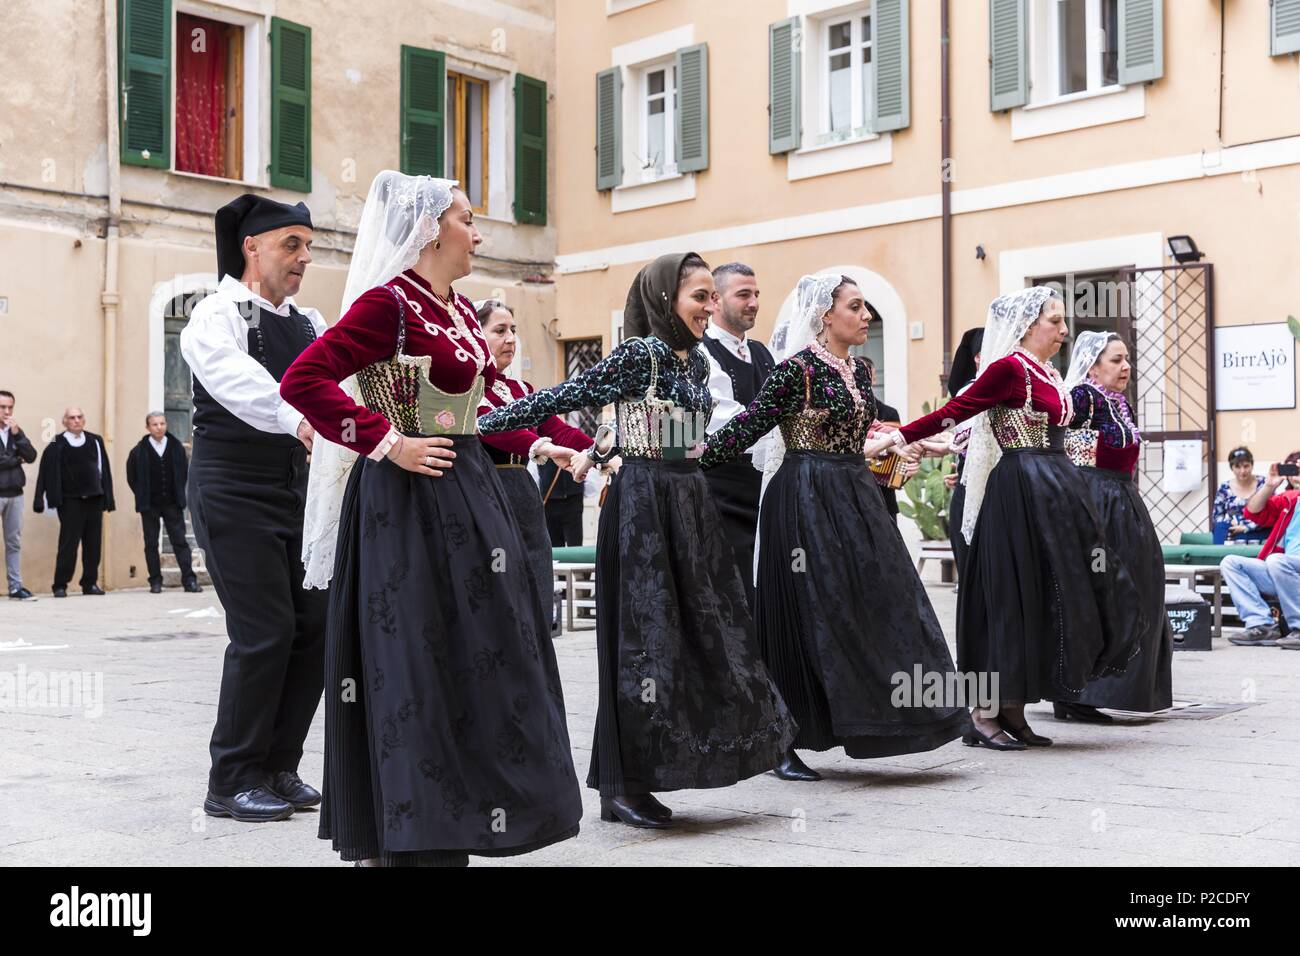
(200, 95)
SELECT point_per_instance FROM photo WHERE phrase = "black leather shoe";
(288, 786)
(193, 587)
(1081, 712)
(60, 592)
(252, 806)
(93, 590)
(22, 594)
(656, 809)
(632, 810)
(155, 588)
(1024, 734)
(792, 768)
(977, 738)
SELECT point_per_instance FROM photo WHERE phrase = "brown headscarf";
(649, 308)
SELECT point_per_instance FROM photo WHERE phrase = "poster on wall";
(1254, 367)
(1182, 472)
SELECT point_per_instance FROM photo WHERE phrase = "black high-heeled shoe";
(1024, 734)
(632, 811)
(977, 738)
(656, 809)
(792, 768)
(1084, 713)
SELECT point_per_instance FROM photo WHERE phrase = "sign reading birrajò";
(1254, 367)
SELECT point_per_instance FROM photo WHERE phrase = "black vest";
(274, 341)
(81, 470)
(162, 491)
(746, 377)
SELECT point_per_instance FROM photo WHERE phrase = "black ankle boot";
(792, 768)
(633, 810)
(656, 809)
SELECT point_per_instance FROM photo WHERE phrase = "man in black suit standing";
(157, 470)
(738, 366)
(76, 480)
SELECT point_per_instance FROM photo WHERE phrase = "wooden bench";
(1196, 577)
(940, 551)
(578, 578)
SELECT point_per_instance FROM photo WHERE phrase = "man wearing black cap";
(247, 489)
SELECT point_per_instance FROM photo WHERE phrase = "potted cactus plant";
(928, 497)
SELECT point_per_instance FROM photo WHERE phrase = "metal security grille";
(1169, 325)
(178, 385)
(580, 355)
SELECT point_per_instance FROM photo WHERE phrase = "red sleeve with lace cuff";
(1003, 382)
(365, 335)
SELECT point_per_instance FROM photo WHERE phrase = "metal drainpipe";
(945, 175)
(109, 298)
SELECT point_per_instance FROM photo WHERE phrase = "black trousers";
(564, 521)
(81, 522)
(173, 518)
(246, 503)
(736, 488)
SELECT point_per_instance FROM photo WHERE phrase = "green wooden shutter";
(530, 150)
(290, 105)
(424, 110)
(1141, 40)
(1008, 54)
(784, 84)
(692, 118)
(890, 59)
(609, 128)
(144, 56)
(1283, 27)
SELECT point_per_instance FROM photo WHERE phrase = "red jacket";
(1277, 512)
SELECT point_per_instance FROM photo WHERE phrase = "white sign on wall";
(1182, 472)
(1254, 367)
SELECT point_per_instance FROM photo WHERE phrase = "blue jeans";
(1251, 580)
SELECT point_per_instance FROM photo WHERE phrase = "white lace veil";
(400, 218)
(1087, 349)
(1009, 318)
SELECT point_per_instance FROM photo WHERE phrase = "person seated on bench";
(1276, 572)
(1230, 500)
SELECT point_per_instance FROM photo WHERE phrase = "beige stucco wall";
(53, 208)
(1246, 223)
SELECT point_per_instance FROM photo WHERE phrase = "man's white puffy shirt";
(215, 345)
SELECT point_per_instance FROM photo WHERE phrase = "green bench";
(1196, 547)
(575, 572)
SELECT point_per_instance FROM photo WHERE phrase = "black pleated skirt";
(685, 701)
(445, 727)
(1147, 683)
(1039, 609)
(525, 500)
(844, 623)
(737, 487)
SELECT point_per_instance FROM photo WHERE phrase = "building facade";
(127, 123)
(1082, 137)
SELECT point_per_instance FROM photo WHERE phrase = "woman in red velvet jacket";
(445, 726)
(1038, 611)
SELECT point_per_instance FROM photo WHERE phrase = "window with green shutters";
(290, 105)
(424, 80)
(609, 128)
(144, 81)
(891, 106)
(1283, 27)
(1141, 41)
(530, 150)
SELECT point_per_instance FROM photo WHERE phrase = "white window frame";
(859, 108)
(257, 93)
(500, 122)
(647, 173)
(1045, 54)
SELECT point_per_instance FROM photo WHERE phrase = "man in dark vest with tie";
(76, 480)
(247, 491)
(157, 470)
(737, 368)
